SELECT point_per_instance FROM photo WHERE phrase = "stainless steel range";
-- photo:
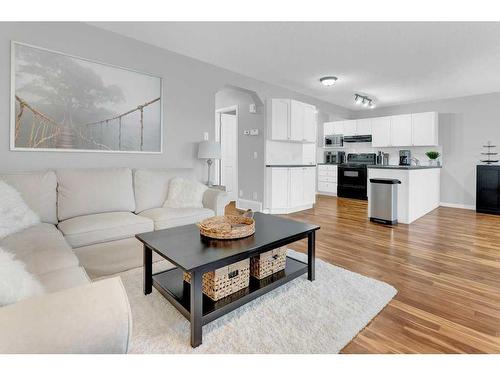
(352, 176)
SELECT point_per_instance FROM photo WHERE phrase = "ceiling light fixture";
(328, 81)
(363, 100)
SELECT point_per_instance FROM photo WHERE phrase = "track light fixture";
(365, 101)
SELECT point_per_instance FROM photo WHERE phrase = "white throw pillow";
(15, 215)
(184, 193)
(16, 283)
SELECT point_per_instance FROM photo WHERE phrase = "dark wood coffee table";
(189, 251)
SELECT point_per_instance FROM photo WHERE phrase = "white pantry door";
(228, 162)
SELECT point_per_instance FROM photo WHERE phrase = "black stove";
(352, 177)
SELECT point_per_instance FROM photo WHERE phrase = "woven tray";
(227, 227)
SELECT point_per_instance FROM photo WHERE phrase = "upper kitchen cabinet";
(328, 128)
(425, 129)
(401, 130)
(364, 126)
(338, 127)
(280, 119)
(291, 120)
(310, 122)
(350, 128)
(381, 131)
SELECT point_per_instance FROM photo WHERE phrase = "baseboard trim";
(246, 204)
(458, 205)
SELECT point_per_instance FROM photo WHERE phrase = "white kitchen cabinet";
(297, 119)
(309, 186)
(338, 127)
(291, 120)
(296, 187)
(327, 179)
(310, 123)
(381, 131)
(350, 128)
(364, 126)
(425, 129)
(290, 189)
(280, 119)
(278, 183)
(328, 128)
(401, 130)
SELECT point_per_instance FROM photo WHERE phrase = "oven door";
(352, 182)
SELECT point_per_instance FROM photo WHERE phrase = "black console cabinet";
(488, 189)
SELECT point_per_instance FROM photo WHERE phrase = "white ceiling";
(394, 63)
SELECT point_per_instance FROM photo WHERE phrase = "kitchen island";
(419, 192)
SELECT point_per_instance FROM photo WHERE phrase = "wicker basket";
(224, 281)
(227, 227)
(267, 263)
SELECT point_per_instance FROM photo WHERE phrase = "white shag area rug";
(300, 317)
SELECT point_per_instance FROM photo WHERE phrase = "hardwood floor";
(445, 266)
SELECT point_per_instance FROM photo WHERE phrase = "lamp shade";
(208, 150)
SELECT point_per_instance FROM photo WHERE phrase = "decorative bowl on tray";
(227, 227)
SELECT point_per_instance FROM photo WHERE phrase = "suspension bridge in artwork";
(45, 132)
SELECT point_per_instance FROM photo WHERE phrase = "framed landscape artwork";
(66, 103)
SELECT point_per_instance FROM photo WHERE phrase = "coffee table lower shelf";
(171, 285)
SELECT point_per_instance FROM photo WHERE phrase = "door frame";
(218, 112)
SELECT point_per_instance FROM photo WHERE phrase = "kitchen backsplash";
(357, 148)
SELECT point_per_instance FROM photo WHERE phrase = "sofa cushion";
(108, 258)
(41, 248)
(15, 215)
(16, 283)
(165, 217)
(184, 193)
(91, 191)
(39, 191)
(109, 226)
(151, 186)
(64, 278)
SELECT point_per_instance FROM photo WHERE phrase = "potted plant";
(433, 155)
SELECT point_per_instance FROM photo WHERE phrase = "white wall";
(465, 125)
(188, 98)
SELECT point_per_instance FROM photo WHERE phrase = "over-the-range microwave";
(334, 140)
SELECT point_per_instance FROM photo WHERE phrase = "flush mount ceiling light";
(328, 81)
(365, 101)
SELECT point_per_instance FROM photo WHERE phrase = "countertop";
(405, 167)
(290, 165)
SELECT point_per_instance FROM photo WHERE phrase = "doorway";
(226, 132)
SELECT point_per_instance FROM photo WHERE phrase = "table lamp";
(208, 151)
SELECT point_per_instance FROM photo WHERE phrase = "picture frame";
(40, 79)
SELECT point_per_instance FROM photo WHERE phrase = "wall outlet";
(252, 108)
(241, 193)
(254, 195)
(255, 155)
(254, 131)
(205, 136)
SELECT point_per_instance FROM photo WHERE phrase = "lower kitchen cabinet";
(290, 189)
(488, 189)
(327, 179)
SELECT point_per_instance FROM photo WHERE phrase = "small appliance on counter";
(404, 157)
(332, 157)
(334, 140)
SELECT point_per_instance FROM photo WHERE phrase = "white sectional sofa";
(89, 221)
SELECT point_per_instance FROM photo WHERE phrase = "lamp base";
(209, 162)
